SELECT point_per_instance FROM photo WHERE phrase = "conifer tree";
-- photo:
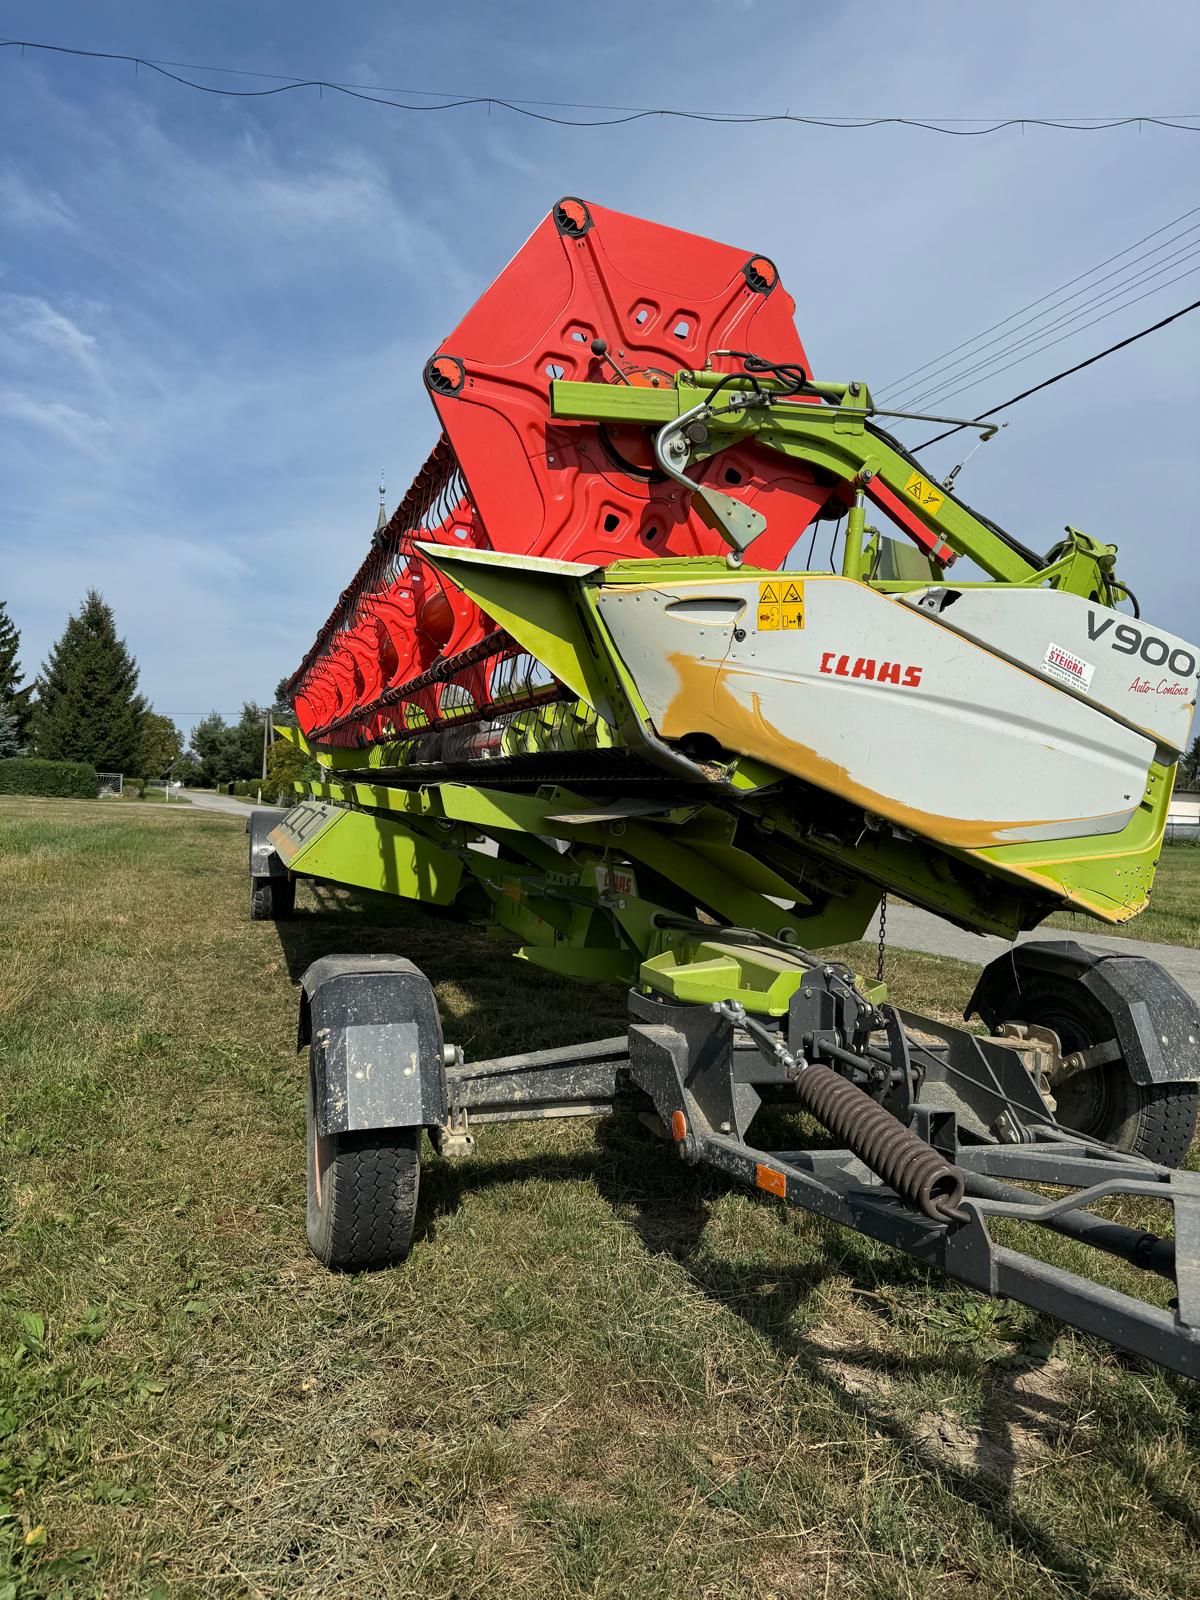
(88, 707)
(12, 696)
(10, 741)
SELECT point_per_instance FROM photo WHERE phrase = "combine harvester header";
(587, 691)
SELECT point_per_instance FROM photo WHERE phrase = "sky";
(214, 312)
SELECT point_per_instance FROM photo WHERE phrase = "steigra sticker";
(1067, 667)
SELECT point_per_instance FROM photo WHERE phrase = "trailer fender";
(1156, 1023)
(264, 859)
(376, 1044)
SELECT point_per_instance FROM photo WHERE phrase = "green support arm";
(838, 437)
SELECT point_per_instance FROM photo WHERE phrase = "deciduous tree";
(160, 744)
(246, 738)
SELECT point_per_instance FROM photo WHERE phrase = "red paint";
(506, 476)
(902, 513)
(1164, 686)
(870, 668)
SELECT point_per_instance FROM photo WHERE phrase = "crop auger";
(587, 690)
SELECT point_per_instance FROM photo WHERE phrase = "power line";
(1183, 122)
(940, 389)
(1046, 383)
(937, 380)
(890, 388)
(1050, 343)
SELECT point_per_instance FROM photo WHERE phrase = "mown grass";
(599, 1374)
(151, 797)
(1173, 915)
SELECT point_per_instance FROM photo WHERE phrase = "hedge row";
(74, 780)
(274, 792)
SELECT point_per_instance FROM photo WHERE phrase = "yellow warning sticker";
(923, 492)
(780, 606)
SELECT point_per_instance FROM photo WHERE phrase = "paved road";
(208, 801)
(910, 929)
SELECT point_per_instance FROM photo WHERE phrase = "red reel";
(661, 301)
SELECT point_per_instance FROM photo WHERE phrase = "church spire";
(381, 521)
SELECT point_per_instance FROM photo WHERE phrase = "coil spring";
(921, 1177)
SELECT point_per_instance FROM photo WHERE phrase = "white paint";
(935, 727)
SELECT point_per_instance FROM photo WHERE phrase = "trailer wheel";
(362, 1194)
(1153, 1120)
(272, 899)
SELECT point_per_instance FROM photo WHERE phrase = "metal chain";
(882, 938)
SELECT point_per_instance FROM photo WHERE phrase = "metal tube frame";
(659, 1068)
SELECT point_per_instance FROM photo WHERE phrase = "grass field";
(1173, 915)
(152, 797)
(600, 1373)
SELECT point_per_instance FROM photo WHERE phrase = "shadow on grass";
(670, 1214)
(668, 1205)
(496, 1004)
(354, 922)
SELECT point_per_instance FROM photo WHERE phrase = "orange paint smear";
(704, 705)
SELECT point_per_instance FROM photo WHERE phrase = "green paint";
(530, 600)
(839, 438)
(703, 971)
(629, 898)
(368, 853)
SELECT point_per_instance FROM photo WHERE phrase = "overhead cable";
(1050, 343)
(952, 127)
(890, 388)
(952, 382)
(994, 411)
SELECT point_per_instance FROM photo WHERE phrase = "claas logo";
(874, 671)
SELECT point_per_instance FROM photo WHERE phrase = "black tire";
(1153, 1120)
(272, 899)
(362, 1195)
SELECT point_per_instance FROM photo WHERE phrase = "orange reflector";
(678, 1126)
(770, 1180)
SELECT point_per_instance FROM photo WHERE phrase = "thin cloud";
(258, 284)
(32, 318)
(28, 206)
(82, 430)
